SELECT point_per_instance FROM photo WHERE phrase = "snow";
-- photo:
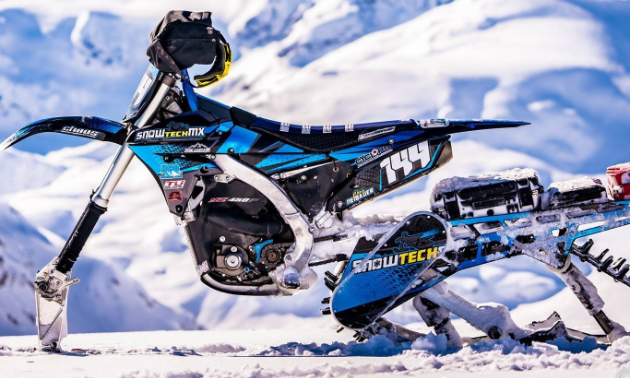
(456, 182)
(23, 171)
(307, 30)
(574, 184)
(558, 188)
(303, 354)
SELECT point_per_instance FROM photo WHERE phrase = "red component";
(175, 196)
(619, 181)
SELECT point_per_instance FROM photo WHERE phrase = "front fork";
(54, 280)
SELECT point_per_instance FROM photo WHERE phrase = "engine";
(237, 240)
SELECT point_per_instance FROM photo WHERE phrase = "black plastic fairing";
(85, 127)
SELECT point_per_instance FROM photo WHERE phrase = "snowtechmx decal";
(359, 195)
(406, 258)
(174, 130)
(372, 155)
(178, 184)
(410, 249)
(81, 132)
(406, 162)
(169, 171)
(374, 133)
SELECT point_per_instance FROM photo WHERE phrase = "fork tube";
(125, 155)
(99, 200)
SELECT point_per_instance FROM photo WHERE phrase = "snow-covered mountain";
(308, 30)
(561, 64)
(87, 65)
(22, 171)
(94, 60)
(106, 300)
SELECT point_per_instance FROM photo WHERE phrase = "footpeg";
(291, 278)
(51, 300)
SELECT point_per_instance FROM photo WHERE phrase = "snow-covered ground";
(300, 353)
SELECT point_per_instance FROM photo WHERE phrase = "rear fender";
(85, 127)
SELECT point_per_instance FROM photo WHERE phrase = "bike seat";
(324, 138)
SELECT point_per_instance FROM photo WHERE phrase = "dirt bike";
(263, 202)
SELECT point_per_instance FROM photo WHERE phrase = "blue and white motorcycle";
(263, 202)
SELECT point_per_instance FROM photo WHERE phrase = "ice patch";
(220, 348)
(377, 346)
(324, 370)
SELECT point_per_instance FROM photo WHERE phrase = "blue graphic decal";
(240, 141)
(190, 92)
(287, 149)
(400, 139)
(271, 147)
(152, 156)
(200, 166)
(170, 171)
(283, 159)
(209, 129)
(225, 127)
(300, 163)
(405, 239)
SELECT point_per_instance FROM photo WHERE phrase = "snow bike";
(263, 202)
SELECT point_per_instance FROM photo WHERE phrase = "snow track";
(308, 354)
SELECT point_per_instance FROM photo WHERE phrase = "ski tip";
(10, 141)
(463, 125)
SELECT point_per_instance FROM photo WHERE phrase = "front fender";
(86, 127)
